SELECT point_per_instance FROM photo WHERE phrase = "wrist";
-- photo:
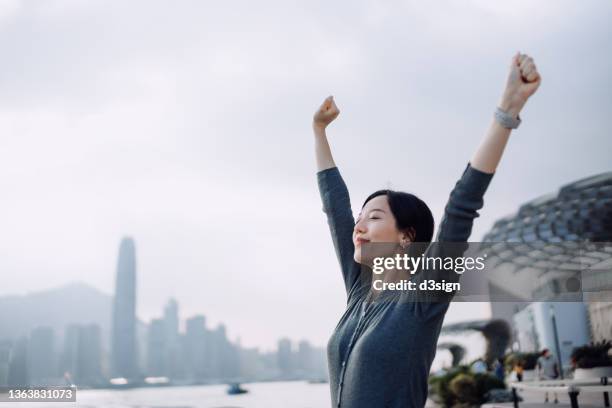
(318, 128)
(512, 106)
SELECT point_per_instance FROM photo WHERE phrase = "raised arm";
(467, 196)
(523, 81)
(327, 112)
(335, 195)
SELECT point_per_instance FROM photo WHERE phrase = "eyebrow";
(374, 209)
(377, 209)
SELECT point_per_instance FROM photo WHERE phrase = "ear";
(406, 237)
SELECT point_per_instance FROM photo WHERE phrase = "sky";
(186, 125)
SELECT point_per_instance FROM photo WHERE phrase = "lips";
(360, 241)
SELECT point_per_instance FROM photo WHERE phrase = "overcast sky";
(186, 125)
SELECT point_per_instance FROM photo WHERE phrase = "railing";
(572, 387)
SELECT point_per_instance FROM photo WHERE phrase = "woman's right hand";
(326, 113)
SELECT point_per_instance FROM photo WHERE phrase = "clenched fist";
(326, 113)
(523, 80)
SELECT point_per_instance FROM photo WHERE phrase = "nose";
(360, 227)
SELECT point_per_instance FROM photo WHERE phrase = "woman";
(381, 350)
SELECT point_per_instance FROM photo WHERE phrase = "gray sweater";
(380, 353)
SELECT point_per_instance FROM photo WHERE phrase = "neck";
(389, 276)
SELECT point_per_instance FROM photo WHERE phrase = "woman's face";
(375, 223)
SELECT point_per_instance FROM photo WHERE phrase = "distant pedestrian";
(498, 369)
(547, 369)
(518, 369)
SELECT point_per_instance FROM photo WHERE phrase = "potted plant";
(592, 360)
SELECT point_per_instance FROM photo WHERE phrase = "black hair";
(410, 212)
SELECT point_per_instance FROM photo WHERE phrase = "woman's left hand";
(523, 81)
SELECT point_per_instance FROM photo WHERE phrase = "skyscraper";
(41, 356)
(156, 346)
(18, 375)
(5, 359)
(82, 354)
(123, 343)
(172, 352)
(285, 357)
(194, 350)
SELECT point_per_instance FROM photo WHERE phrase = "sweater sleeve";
(337, 207)
(463, 205)
(462, 208)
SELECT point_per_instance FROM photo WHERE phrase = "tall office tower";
(123, 343)
(5, 359)
(174, 365)
(69, 358)
(18, 375)
(156, 346)
(82, 354)
(90, 354)
(41, 352)
(285, 357)
(224, 358)
(171, 320)
(194, 351)
(305, 359)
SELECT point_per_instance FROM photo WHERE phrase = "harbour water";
(291, 394)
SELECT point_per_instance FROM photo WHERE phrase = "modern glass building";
(571, 232)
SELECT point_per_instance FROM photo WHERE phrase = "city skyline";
(129, 351)
(183, 318)
(78, 354)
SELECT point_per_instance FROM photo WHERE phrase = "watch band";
(506, 120)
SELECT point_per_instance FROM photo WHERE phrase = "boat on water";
(235, 389)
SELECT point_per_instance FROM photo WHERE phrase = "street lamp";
(556, 334)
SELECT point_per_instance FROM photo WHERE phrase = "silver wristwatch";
(506, 120)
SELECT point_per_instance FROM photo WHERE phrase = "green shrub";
(460, 387)
(464, 388)
(440, 385)
(486, 382)
(529, 360)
